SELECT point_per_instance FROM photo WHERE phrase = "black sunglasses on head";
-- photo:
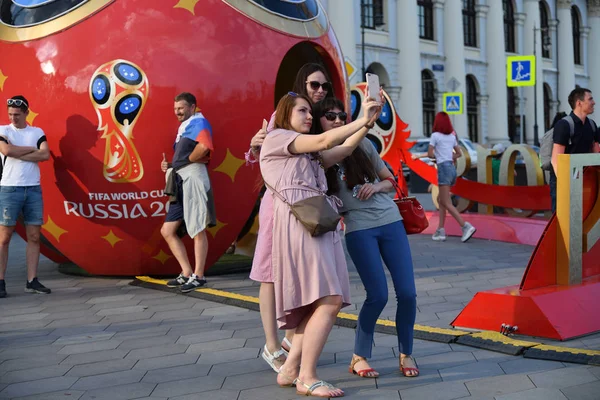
(315, 85)
(331, 116)
(17, 103)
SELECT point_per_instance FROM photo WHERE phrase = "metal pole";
(362, 31)
(536, 140)
(521, 112)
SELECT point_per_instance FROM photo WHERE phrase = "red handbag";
(412, 212)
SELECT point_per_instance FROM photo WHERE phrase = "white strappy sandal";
(270, 358)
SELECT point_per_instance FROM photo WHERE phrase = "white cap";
(499, 147)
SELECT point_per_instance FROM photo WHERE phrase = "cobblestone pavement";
(100, 338)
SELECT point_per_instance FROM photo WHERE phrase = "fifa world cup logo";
(118, 91)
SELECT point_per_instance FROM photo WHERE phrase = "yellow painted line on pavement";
(498, 337)
(484, 336)
(572, 350)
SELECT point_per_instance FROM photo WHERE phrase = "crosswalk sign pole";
(521, 112)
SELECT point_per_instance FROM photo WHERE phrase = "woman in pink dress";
(310, 273)
(311, 80)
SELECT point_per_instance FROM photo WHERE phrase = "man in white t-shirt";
(22, 147)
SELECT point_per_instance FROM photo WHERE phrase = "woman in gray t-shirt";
(374, 230)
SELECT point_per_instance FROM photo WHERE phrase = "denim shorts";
(446, 173)
(25, 200)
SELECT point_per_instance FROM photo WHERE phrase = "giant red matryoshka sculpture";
(101, 76)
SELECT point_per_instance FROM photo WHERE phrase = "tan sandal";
(289, 378)
(363, 373)
(310, 389)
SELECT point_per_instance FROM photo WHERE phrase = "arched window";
(469, 23)
(545, 29)
(509, 25)
(429, 100)
(425, 13)
(472, 108)
(576, 34)
(512, 115)
(547, 101)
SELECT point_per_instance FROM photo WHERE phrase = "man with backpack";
(574, 134)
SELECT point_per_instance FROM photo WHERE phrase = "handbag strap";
(397, 187)
(276, 193)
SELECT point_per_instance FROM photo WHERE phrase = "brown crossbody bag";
(315, 213)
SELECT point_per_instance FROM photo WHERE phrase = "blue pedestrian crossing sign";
(520, 71)
(453, 103)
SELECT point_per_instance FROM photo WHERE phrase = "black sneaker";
(36, 287)
(180, 280)
(193, 283)
(2, 288)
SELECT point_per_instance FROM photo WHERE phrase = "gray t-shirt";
(377, 211)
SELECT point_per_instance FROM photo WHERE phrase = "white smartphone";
(373, 83)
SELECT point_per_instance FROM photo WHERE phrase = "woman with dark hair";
(311, 277)
(374, 230)
(444, 147)
(313, 82)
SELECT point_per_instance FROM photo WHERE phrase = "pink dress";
(305, 268)
(262, 269)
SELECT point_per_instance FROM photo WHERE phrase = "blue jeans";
(366, 248)
(26, 200)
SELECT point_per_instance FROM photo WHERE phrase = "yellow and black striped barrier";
(493, 341)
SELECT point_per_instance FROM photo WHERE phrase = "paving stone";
(121, 310)
(528, 366)
(562, 378)
(499, 385)
(249, 333)
(22, 318)
(188, 386)
(40, 386)
(166, 361)
(140, 343)
(74, 322)
(176, 373)
(225, 356)
(84, 338)
(60, 395)
(134, 316)
(471, 371)
(110, 299)
(20, 352)
(173, 315)
(240, 367)
(205, 337)
(216, 345)
(224, 310)
(121, 392)
(149, 352)
(534, 394)
(245, 316)
(80, 330)
(446, 360)
(379, 394)
(437, 391)
(28, 361)
(95, 356)
(34, 374)
(107, 380)
(101, 367)
(141, 333)
(21, 311)
(587, 391)
(212, 395)
(90, 347)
